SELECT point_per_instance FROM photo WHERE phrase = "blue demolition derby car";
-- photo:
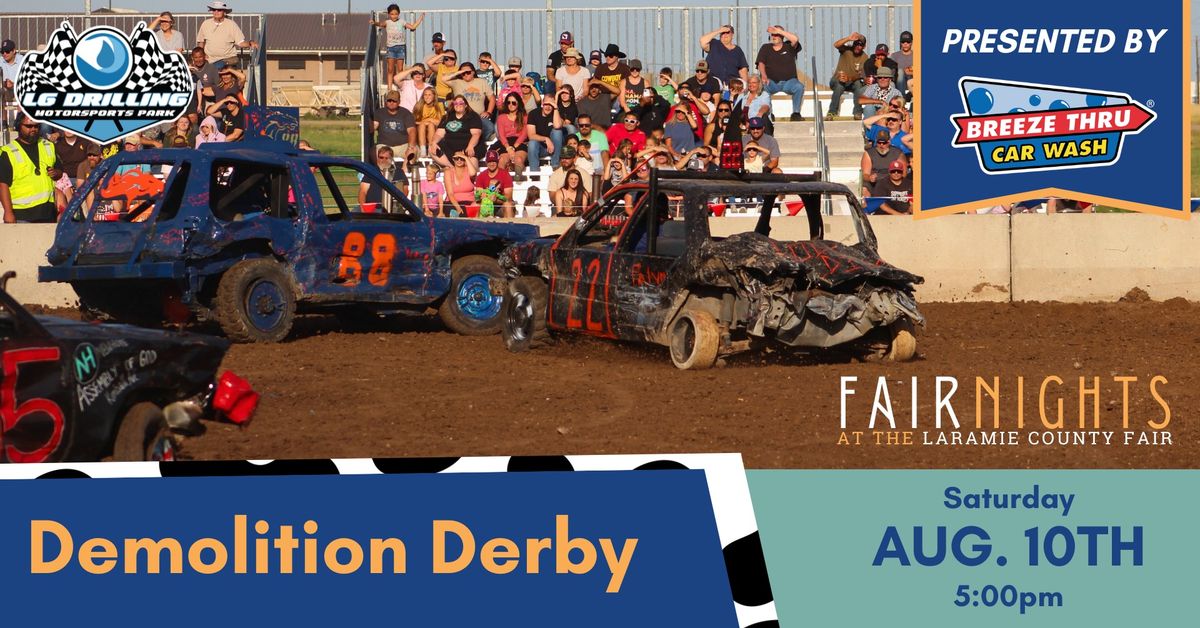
(245, 234)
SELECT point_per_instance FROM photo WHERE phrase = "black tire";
(256, 301)
(470, 308)
(143, 435)
(525, 314)
(695, 340)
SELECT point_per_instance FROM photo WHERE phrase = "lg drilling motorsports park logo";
(103, 84)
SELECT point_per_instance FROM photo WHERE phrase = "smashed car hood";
(824, 263)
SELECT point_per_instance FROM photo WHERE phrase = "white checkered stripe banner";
(152, 69)
(52, 67)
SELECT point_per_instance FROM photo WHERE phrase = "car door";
(646, 258)
(580, 271)
(360, 253)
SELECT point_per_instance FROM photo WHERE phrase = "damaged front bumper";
(815, 318)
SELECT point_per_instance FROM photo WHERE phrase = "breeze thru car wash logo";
(102, 84)
(1025, 126)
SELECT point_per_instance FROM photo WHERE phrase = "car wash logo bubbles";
(1024, 126)
(102, 84)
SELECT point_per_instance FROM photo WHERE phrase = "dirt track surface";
(410, 389)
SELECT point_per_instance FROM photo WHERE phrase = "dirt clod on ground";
(1136, 295)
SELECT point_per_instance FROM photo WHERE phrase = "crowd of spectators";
(593, 118)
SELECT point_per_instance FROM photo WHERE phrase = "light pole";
(349, 39)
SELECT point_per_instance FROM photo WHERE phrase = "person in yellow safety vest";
(28, 170)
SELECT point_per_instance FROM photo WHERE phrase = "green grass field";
(332, 136)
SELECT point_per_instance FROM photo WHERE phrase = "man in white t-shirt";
(221, 37)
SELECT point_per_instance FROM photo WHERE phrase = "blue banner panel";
(508, 549)
(1052, 99)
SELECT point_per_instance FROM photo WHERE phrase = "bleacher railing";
(256, 73)
(658, 36)
(369, 80)
(32, 31)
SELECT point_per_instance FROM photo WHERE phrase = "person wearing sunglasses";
(702, 82)
(877, 160)
(168, 38)
(411, 83)
(28, 170)
(395, 126)
(726, 59)
(221, 37)
(441, 65)
(480, 97)
(714, 133)
(461, 131)
(897, 188)
(627, 130)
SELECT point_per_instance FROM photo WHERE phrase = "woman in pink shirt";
(410, 83)
(459, 179)
(511, 135)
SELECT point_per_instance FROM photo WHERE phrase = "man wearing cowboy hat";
(221, 37)
(612, 71)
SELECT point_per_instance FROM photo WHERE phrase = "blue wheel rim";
(265, 305)
(475, 298)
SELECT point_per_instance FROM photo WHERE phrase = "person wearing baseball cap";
(848, 75)
(494, 187)
(702, 82)
(221, 37)
(904, 61)
(438, 42)
(28, 171)
(879, 61)
(566, 41)
(897, 189)
(10, 64)
(877, 160)
(595, 59)
(756, 133)
(394, 125)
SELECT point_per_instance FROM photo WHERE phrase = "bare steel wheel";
(525, 314)
(695, 339)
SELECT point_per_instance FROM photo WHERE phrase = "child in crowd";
(397, 39)
(432, 191)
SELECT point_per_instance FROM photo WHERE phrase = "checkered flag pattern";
(152, 69)
(52, 67)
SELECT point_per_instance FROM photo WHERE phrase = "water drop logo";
(1016, 127)
(103, 59)
(102, 83)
